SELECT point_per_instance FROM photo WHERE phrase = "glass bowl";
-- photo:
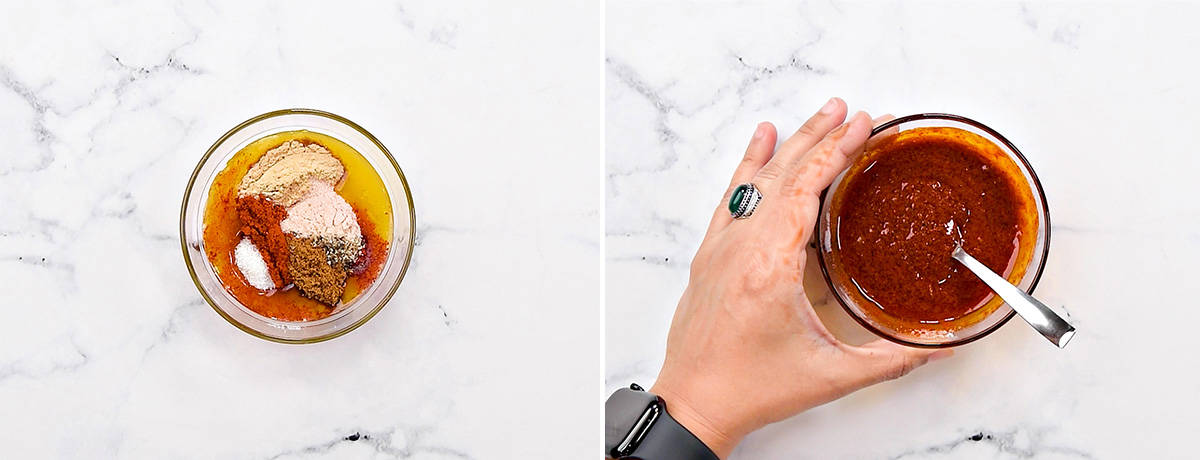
(368, 302)
(971, 326)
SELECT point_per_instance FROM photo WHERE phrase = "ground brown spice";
(312, 274)
(260, 221)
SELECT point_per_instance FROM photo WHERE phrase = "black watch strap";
(638, 426)
(668, 440)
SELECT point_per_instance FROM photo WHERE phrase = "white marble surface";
(492, 111)
(1101, 99)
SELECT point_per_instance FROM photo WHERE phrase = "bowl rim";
(412, 219)
(1037, 187)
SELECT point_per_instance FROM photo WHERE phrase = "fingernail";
(760, 130)
(829, 106)
(940, 354)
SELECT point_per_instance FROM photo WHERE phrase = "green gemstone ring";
(743, 201)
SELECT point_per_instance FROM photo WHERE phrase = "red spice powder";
(260, 222)
(375, 252)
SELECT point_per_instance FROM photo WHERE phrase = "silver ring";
(744, 200)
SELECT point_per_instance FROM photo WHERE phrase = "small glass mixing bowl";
(972, 326)
(347, 317)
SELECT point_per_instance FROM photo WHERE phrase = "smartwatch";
(637, 425)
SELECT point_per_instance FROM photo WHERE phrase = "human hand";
(746, 348)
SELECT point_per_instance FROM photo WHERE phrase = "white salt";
(252, 265)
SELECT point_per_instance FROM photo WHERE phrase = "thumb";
(884, 360)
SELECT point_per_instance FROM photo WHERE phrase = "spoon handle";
(1037, 314)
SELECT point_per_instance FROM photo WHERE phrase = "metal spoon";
(1037, 314)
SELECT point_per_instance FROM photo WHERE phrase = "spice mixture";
(297, 225)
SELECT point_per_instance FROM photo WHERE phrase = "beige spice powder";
(285, 173)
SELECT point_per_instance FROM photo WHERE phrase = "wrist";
(718, 439)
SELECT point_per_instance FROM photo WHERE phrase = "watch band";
(668, 440)
(638, 426)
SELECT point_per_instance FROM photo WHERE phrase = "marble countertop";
(109, 350)
(1101, 101)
